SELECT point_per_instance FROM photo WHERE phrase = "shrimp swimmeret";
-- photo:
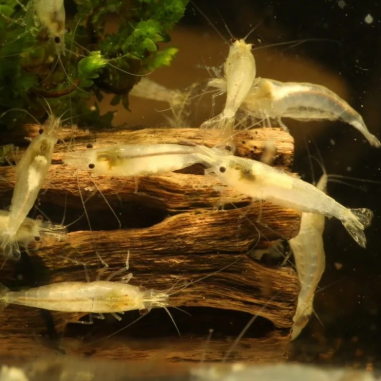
(240, 71)
(134, 160)
(30, 175)
(262, 182)
(301, 101)
(308, 250)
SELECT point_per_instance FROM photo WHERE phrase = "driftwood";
(189, 239)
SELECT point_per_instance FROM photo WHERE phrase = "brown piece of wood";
(191, 240)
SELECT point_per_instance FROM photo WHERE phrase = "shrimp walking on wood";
(262, 182)
(30, 175)
(301, 101)
(240, 71)
(134, 160)
(308, 250)
(95, 297)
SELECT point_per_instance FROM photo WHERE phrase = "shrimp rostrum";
(262, 182)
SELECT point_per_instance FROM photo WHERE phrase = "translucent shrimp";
(308, 250)
(301, 101)
(178, 100)
(89, 297)
(240, 71)
(134, 160)
(32, 230)
(94, 297)
(51, 15)
(262, 182)
(30, 175)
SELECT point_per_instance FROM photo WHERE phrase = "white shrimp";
(134, 160)
(51, 15)
(308, 250)
(301, 101)
(95, 297)
(32, 230)
(262, 182)
(90, 297)
(30, 175)
(240, 71)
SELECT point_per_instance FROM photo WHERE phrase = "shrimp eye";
(37, 238)
(253, 46)
(41, 131)
(89, 145)
(57, 40)
(222, 169)
(39, 217)
(91, 166)
(233, 40)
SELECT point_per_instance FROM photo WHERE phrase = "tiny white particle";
(332, 142)
(341, 4)
(349, 169)
(369, 18)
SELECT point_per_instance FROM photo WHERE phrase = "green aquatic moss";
(107, 44)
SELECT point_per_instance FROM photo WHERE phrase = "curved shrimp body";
(302, 101)
(51, 14)
(30, 175)
(134, 160)
(262, 182)
(178, 100)
(240, 71)
(88, 297)
(308, 250)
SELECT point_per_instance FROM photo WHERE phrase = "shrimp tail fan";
(364, 215)
(372, 139)
(3, 293)
(361, 218)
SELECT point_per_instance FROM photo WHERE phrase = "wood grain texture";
(191, 240)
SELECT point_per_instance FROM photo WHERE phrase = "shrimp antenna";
(248, 325)
(208, 340)
(207, 276)
(108, 204)
(310, 161)
(88, 221)
(22, 110)
(226, 25)
(173, 320)
(295, 43)
(210, 22)
(252, 30)
(317, 317)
